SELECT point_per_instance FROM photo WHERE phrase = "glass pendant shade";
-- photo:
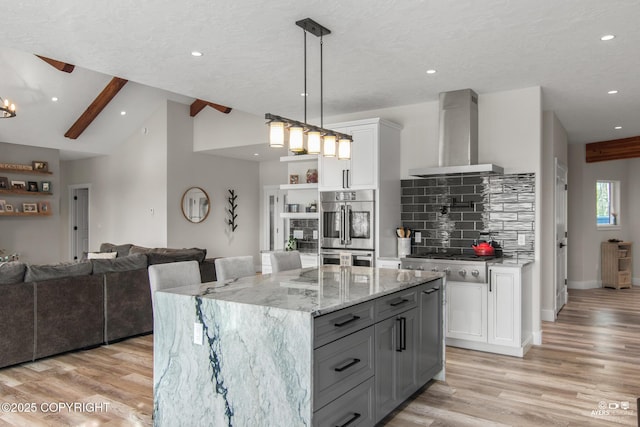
(344, 149)
(276, 134)
(313, 142)
(330, 146)
(296, 139)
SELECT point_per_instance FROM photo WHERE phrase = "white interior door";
(79, 221)
(273, 205)
(561, 294)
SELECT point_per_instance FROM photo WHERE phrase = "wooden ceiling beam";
(199, 104)
(98, 104)
(58, 65)
(626, 148)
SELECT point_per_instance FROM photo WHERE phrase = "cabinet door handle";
(348, 175)
(489, 283)
(348, 365)
(344, 185)
(398, 302)
(346, 322)
(403, 342)
(350, 420)
(399, 336)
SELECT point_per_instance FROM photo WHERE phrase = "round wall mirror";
(195, 204)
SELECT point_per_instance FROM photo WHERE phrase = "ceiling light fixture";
(618, 127)
(123, 113)
(7, 108)
(431, 71)
(607, 37)
(612, 92)
(196, 54)
(54, 98)
(319, 139)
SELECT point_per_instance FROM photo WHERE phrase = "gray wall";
(37, 239)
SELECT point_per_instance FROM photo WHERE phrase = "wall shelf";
(25, 171)
(25, 214)
(25, 193)
(300, 215)
(299, 186)
(300, 158)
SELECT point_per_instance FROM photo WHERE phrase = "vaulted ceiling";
(376, 56)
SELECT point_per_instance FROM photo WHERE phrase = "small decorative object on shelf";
(18, 185)
(44, 207)
(32, 186)
(293, 179)
(4, 257)
(8, 208)
(4, 183)
(30, 207)
(3, 206)
(232, 210)
(45, 186)
(292, 244)
(312, 176)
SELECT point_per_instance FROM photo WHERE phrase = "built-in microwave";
(347, 220)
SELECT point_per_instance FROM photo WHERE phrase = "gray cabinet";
(429, 337)
(370, 357)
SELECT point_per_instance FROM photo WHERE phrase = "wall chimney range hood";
(458, 139)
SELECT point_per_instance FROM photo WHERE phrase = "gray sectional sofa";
(52, 309)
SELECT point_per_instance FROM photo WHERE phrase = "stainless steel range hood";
(458, 140)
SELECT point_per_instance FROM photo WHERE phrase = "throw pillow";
(102, 255)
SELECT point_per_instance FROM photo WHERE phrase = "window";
(607, 203)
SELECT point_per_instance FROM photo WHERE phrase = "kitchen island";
(298, 348)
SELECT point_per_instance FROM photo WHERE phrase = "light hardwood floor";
(590, 357)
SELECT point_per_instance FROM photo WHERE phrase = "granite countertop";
(313, 290)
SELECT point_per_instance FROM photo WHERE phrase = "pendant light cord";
(321, 94)
(305, 95)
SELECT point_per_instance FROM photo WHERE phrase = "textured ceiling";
(376, 56)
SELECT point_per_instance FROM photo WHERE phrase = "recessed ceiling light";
(607, 37)
(431, 71)
(256, 154)
(618, 127)
(304, 94)
(123, 113)
(612, 92)
(54, 99)
(196, 53)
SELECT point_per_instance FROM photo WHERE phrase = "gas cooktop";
(457, 257)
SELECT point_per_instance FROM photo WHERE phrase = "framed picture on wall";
(32, 186)
(45, 207)
(3, 205)
(40, 166)
(4, 183)
(45, 186)
(18, 185)
(8, 208)
(30, 207)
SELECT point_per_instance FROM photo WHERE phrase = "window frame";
(614, 204)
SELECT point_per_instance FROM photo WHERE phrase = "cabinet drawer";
(395, 303)
(343, 322)
(355, 408)
(341, 365)
(624, 278)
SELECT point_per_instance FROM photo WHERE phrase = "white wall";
(216, 175)
(37, 239)
(555, 145)
(125, 186)
(633, 207)
(212, 129)
(584, 237)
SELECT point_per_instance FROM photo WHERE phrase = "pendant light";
(344, 149)
(329, 145)
(276, 134)
(318, 139)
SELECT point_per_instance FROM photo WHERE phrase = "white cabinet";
(495, 316)
(467, 311)
(361, 171)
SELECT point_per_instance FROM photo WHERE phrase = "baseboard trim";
(537, 337)
(589, 284)
(547, 315)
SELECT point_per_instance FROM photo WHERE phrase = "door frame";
(561, 171)
(71, 188)
(267, 191)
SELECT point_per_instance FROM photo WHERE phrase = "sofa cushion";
(140, 250)
(12, 272)
(37, 273)
(131, 262)
(121, 250)
(177, 256)
(101, 255)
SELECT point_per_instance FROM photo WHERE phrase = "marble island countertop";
(311, 290)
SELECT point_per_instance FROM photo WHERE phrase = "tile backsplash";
(451, 211)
